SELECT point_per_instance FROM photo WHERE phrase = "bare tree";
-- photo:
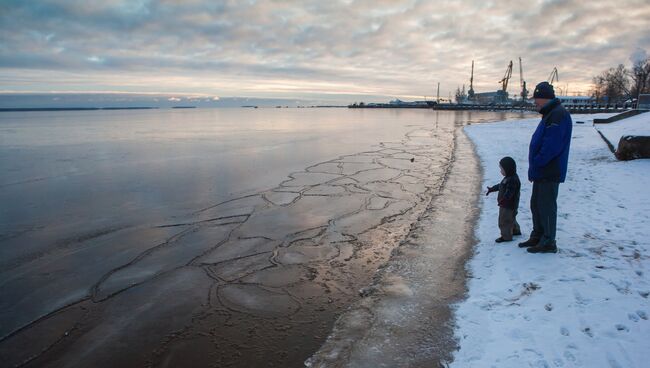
(613, 85)
(618, 84)
(621, 84)
(640, 73)
(598, 89)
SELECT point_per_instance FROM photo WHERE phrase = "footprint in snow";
(587, 331)
(541, 363)
(633, 317)
(564, 331)
(529, 287)
(569, 356)
(613, 362)
(621, 327)
(581, 301)
(642, 314)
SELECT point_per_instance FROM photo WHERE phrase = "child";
(508, 199)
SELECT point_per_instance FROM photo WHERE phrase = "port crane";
(502, 95)
(553, 77)
(470, 92)
(506, 77)
(522, 82)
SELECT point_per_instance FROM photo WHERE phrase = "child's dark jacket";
(509, 190)
(510, 185)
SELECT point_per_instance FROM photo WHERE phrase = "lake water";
(267, 213)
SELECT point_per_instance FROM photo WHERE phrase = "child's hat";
(509, 165)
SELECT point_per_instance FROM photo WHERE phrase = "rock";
(367, 291)
(632, 147)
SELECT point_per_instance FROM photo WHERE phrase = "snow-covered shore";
(635, 125)
(585, 306)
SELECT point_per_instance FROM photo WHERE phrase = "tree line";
(620, 84)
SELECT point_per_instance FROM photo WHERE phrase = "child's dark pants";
(508, 223)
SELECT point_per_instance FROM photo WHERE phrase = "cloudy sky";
(320, 50)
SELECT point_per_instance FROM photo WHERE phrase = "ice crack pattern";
(231, 283)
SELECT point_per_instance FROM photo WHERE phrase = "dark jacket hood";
(509, 166)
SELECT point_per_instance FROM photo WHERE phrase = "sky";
(321, 51)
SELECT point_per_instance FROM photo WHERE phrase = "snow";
(584, 306)
(636, 125)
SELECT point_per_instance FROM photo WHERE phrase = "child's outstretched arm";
(494, 188)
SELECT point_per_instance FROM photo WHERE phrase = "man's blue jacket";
(548, 153)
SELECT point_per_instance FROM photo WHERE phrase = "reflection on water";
(97, 202)
(67, 174)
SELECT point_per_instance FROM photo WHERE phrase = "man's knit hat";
(544, 90)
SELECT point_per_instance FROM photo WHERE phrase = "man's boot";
(529, 243)
(549, 247)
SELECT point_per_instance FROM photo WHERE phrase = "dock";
(571, 108)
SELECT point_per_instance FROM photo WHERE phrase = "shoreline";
(405, 317)
(49, 109)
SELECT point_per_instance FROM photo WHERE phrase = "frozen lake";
(230, 236)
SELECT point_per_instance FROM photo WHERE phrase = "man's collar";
(549, 106)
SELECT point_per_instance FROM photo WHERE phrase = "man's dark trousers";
(543, 205)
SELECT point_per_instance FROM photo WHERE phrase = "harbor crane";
(522, 83)
(502, 95)
(470, 92)
(553, 77)
(506, 77)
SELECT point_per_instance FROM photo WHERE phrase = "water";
(275, 217)
(67, 170)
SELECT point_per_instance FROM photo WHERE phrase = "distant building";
(577, 100)
(486, 98)
(398, 102)
(644, 102)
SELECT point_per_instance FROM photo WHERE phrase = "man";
(548, 155)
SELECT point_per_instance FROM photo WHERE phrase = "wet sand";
(258, 280)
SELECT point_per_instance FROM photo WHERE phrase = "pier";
(572, 108)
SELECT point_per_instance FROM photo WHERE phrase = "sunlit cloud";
(295, 49)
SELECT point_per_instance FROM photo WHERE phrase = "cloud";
(638, 56)
(297, 48)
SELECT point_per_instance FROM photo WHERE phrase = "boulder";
(631, 147)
